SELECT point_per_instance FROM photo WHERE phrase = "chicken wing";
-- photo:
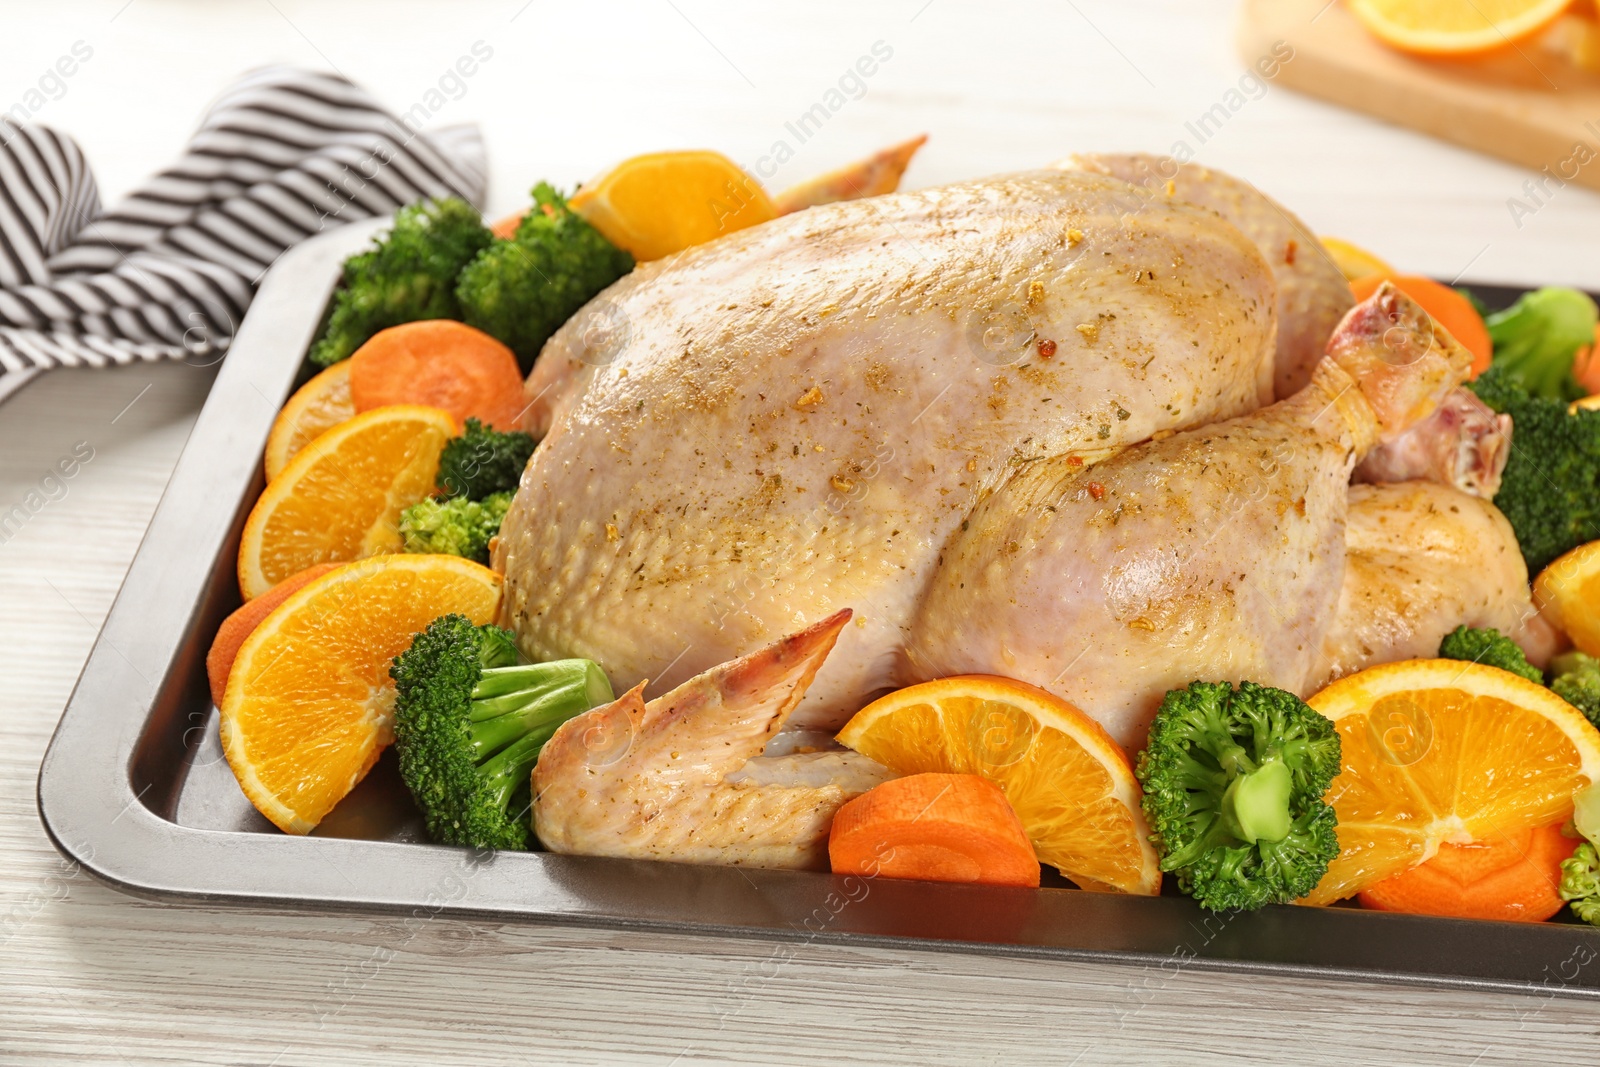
(670, 779)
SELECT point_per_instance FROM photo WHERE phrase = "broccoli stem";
(508, 770)
(512, 706)
(1256, 805)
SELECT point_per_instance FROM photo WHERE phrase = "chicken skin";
(1016, 425)
(1312, 293)
(802, 414)
(1217, 553)
(1422, 559)
(673, 779)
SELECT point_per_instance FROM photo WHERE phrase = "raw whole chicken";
(1420, 560)
(1312, 293)
(1217, 553)
(804, 413)
(1016, 425)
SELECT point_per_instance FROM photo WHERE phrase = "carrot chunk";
(934, 828)
(1586, 366)
(1511, 876)
(506, 228)
(442, 364)
(238, 626)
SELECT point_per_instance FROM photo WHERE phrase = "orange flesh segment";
(1568, 594)
(316, 407)
(1453, 28)
(1069, 783)
(340, 499)
(308, 703)
(239, 625)
(1462, 752)
(663, 202)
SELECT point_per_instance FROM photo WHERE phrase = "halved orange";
(1352, 260)
(663, 202)
(1568, 595)
(316, 407)
(1072, 786)
(1442, 751)
(340, 498)
(309, 701)
(1457, 28)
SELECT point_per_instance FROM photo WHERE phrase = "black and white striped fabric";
(282, 155)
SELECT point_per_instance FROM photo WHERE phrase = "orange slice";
(1072, 786)
(340, 499)
(309, 700)
(237, 626)
(1453, 27)
(657, 204)
(1441, 751)
(1352, 260)
(1568, 595)
(317, 406)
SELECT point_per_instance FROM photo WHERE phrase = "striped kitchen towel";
(168, 273)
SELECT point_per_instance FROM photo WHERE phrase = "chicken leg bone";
(1217, 553)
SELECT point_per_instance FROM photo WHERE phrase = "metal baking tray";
(135, 789)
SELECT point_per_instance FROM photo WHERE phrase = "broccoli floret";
(1233, 784)
(483, 461)
(1580, 883)
(521, 290)
(1550, 492)
(454, 527)
(1536, 338)
(469, 722)
(1575, 678)
(409, 275)
(1491, 648)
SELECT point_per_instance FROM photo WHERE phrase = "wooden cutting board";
(1527, 105)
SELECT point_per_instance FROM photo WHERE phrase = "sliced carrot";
(1449, 309)
(1510, 876)
(439, 363)
(238, 626)
(506, 228)
(1586, 367)
(935, 828)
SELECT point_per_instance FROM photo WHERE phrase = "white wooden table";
(88, 975)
